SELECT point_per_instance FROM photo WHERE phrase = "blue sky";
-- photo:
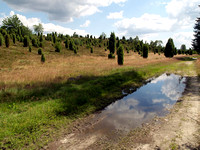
(148, 19)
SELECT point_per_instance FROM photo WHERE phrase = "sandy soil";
(180, 129)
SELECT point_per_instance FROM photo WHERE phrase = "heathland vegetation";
(49, 80)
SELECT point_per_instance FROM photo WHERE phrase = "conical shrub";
(7, 40)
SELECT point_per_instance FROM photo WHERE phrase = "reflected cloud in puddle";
(150, 100)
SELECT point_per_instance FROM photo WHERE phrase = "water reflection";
(153, 99)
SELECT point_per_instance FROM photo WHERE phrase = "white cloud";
(183, 8)
(158, 101)
(12, 13)
(115, 15)
(62, 10)
(183, 38)
(86, 24)
(49, 27)
(147, 23)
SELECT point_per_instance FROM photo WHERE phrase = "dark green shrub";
(91, 51)
(41, 44)
(71, 45)
(75, 50)
(58, 47)
(66, 43)
(120, 54)
(145, 50)
(39, 51)
(1, 40)
(112, 43)
(41, 38)
(7, 40)
(111, 56)
(21, 39)
(170, 48)
(14, 38)
(54, 38)
(43, 58)
(26, 41)
(30, 48)
(34, 42)
(18, 38)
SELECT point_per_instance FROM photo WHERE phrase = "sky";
(147, 19)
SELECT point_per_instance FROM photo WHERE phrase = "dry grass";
(30, 69)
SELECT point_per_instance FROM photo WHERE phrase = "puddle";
(153, 99)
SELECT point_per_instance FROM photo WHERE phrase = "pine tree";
(120, 54)
(26, 41)
(145, 50)
(43, 58)
(7, 40)
(196, 40)
(170, 48)
(58, 47)
(1, 40)
(14, 38)
(112, 43)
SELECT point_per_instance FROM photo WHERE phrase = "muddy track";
(178, 130)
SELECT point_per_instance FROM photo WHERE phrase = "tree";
(12, 23)
(38, 28)
(145, 50)
(91, 50)
(169, 48)
(58, 47)
(7, 40)
(183, 48)
(120, 54)
(196, 40)
(66, 43)
(26, 41)
(14, 38)
(39, 51)
(1, 40)
(112, 43)
(43, 58)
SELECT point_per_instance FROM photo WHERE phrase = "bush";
(30, 48)
(75, 50)
(71, 45)
(169, 48)
(14, 38)
(67, 43)
(111, 56)
(41, 44)
(120, 54)
(7, 40)
(43, 58)
(41, 38)
(39, 51)
(1, 40)
(34, 42)
(112, 43)
(54, 39)
(26, 41)
(91, 51)
(58, 47)
(145, 50)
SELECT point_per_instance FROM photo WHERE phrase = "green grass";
(30, 118)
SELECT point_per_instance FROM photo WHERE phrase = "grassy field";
(40, 100)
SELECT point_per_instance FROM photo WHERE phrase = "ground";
(178, 130)
(37, 100)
